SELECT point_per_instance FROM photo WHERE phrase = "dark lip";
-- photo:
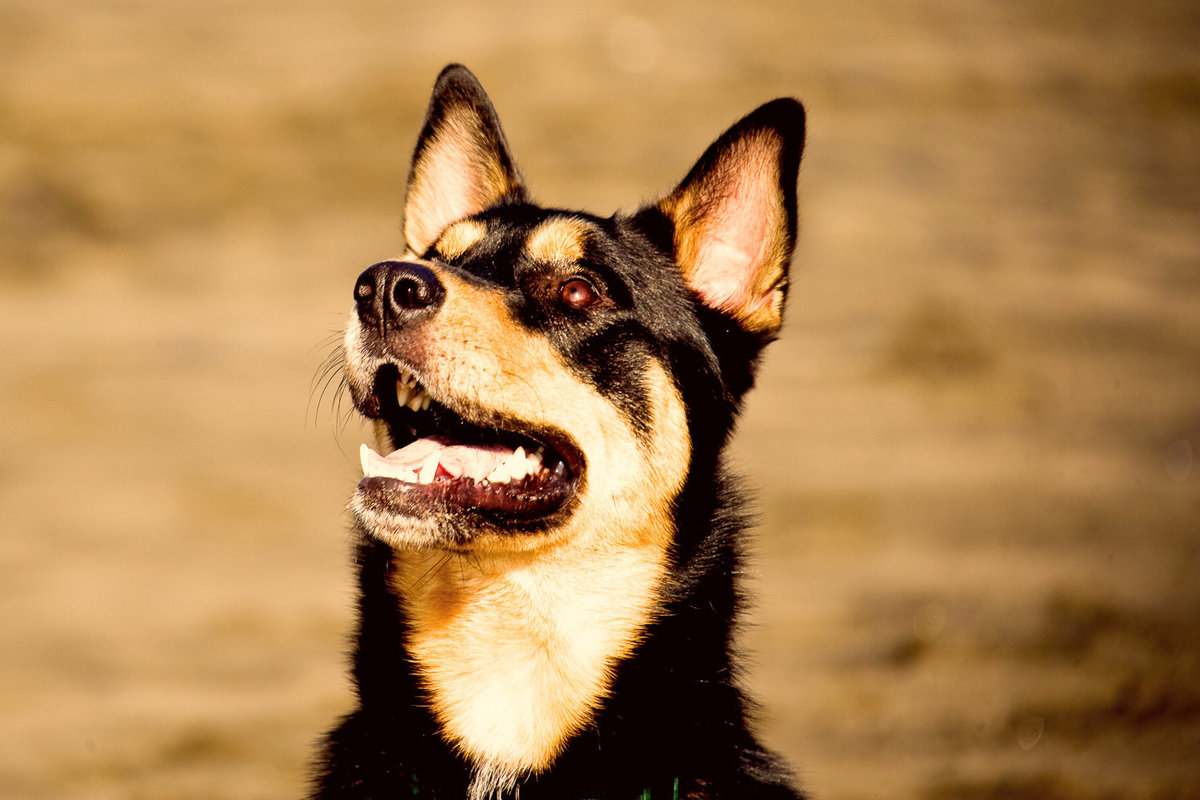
(446, 418)
(496, 505)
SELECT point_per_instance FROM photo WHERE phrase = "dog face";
(540, 376)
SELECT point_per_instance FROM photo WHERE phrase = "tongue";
(420, 461)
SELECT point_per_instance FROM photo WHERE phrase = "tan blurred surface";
(979, 557)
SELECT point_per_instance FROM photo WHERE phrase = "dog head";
(538, 375)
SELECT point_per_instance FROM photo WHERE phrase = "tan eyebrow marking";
(559, 240)
(459, 237)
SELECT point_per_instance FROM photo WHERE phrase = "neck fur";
(518, 650)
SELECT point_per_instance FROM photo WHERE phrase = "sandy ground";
(979, 554)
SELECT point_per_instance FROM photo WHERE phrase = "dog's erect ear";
(734, 216)
(461, 165)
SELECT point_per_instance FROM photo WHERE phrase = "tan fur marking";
(459, 238)
(516, 640)
(558, 240)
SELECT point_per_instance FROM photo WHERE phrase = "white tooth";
(402, 393)
(428, 468)
(514, 465)
(499, 475)
(415, 401)
(533, 462)
(411, 477)
(426, 401)
(363, 458)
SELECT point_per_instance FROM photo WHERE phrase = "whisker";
(333, 376)
(345, 417)
(330, 370)
(427, 575)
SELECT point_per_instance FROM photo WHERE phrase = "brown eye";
(578, 293)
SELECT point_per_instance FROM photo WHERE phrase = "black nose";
(397, 293)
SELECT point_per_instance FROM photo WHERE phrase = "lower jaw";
(405, 532)
(443, 515)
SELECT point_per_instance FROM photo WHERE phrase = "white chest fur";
(517, 651)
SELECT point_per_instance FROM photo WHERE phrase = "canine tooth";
(415, 401)
(428, 468)
(403, 393)
(560, 470)
(364, 458)
(515, 465)
(426, 401)
(498, 475)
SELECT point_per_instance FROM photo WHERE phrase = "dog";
(548, 543)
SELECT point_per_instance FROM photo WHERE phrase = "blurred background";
(978, 559)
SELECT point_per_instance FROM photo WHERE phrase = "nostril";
(364, 290)
(412, 293)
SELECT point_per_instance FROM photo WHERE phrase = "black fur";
(675, 714)
(675, 710)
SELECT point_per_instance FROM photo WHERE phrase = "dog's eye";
(578, 293)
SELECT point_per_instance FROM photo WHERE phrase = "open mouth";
(443, 461)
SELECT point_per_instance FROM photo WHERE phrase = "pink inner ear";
(445, 192)
(461, 170)
(733, 269)
(457, 190)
